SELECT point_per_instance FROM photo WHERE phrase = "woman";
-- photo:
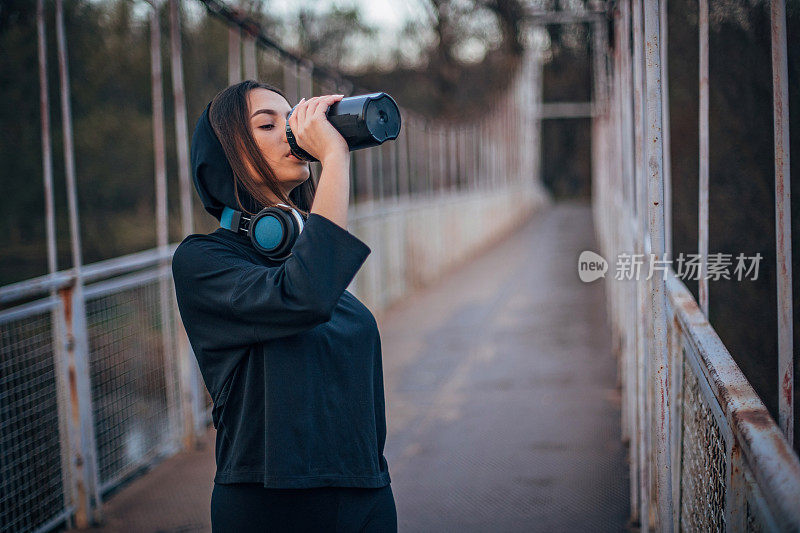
(291, 358)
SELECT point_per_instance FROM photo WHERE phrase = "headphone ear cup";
(273, 232)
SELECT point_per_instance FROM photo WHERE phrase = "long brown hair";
(229, 119)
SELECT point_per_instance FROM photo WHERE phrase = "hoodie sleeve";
(226, 301)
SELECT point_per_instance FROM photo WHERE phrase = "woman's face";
(267, 111)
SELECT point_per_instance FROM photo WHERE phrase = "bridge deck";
(502, 406)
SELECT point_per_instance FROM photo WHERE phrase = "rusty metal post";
(428, 159)
(234, 55)
(483, 154)
(493, 173)
(658, 302)
(502, 144)
(629, 151)
(615, 112)
(702, 222)
(735, 489)
(69, 155)
(493, 159)
(489, 154)
(191, 395)
(783, 219)
(416, 157)
(453, 170)
(468, 158)
(305, 79)
(381, 186)
(429, 152)
(514, 107)
(83, 449)
(368, 178)
(356, 171)
(250, 62)
(47, 149)
(162, 224)
(526, 118)
(642, 359)
(625, 100)
(471, 148)
(66, 427)
(404, 185)
(437, 159)
(409, 135)
(422, 159)
(640, 236)
(472, 157)
(354, 197)
(481, 139)
(462, 158)
(181, 131)
(665, 121)
(290, 81)
(598, 84)
(537, 130)
(503, 140)
(393, 162)
(441, 152)
(512, 137)
(497, 145)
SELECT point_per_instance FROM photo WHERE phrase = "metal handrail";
(33, 287)
(771, 459)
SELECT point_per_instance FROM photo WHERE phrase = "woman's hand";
(312, 130)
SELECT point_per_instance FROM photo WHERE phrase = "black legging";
(249, 507)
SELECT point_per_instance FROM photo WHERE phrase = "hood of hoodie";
(212, 174)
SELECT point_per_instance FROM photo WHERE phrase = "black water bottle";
(364, 121)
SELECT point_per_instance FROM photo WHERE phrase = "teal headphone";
(273, 230)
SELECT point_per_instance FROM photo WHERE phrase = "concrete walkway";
(501, 398)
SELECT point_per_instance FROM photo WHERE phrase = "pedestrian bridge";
(518, 396)
(501, 416)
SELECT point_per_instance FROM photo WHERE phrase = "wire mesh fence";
(703, 465)
(129, 374)
(31, 471)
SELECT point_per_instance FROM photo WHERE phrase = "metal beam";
(702, 223)
(654, 155)
(783, 219)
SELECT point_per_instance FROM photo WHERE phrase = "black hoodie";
(291, 359)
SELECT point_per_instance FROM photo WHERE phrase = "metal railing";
(705, 455)
(89, 391)
(98, 379)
